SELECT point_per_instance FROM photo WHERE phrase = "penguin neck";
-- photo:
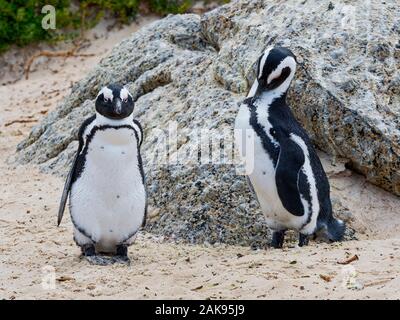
(266, 97)
(102, 120)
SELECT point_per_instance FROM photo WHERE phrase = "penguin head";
(275, 70)
(114, 102)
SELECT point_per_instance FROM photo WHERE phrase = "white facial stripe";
(263, 59)
(124, 94)
(287, 62)
(107, 93)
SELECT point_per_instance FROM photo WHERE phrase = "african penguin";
(287, 176)
(106, 184)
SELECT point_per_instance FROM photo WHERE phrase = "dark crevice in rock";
(211, 41)
(189, 43)
(151, 83)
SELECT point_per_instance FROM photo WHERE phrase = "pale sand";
(30, 240)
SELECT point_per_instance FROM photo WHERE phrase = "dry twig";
(350, 260)
(325, 277)
(378, 282)
(20, 121)
(64, 53)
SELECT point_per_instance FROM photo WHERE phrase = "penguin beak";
(118, 106)
(262, 84)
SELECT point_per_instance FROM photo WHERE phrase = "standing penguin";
(287, 176)
(106, 183)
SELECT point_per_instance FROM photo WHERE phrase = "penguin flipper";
(68, 181)
(67, 188)
(291, 159)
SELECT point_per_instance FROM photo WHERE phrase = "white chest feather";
(108, 199)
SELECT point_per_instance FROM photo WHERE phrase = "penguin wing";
(68, 181)
(67, 188)
(139, 130)
(290, 161)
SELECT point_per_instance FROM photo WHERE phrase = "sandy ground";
(40, 261)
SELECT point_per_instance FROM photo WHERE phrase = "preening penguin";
(288, 178)
(106, 183)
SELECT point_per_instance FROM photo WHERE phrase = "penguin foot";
(122, 250)
(277, 239)
(122, 255)
(303, 240)
(89, 254)
(88, 250)
(100, 260)
(122, 260)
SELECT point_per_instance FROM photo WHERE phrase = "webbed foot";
(303, 240)
(88, 250)
(277, 239)
(99, 260)
(122, 260)
(122, 255)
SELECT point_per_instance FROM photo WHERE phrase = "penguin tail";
(335, 229)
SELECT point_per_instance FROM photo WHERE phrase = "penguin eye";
(107, 99)
(125, 100)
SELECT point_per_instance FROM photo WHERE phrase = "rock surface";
(194, 70)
